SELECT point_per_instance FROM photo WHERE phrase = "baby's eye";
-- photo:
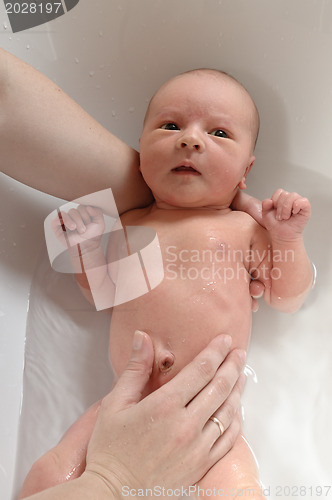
(170, 126)
(219, 133)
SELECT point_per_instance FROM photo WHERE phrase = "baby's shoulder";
(244, 219)
(249, 227)
(135, 216)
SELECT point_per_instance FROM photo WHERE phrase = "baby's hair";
(218, 72)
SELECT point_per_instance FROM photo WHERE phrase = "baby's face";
(197, 143)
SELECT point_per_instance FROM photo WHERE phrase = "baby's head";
(198, 140)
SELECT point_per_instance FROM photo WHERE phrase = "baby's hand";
(285, 214)
(84, 225)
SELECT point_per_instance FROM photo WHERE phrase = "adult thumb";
(130, 386)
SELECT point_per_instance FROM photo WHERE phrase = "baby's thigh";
(234, 476)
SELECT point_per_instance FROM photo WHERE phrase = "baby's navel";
(165, 362)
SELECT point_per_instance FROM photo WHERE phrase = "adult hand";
(252, 206)
(165, 439)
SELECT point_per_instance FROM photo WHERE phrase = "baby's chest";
(205, 243)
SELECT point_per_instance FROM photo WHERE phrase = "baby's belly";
(181, 318)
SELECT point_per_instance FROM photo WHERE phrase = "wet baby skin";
(205, 292)
(196, 150)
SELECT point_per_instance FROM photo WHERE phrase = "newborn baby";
(196, 150)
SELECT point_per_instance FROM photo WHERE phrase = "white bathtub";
(110, 56)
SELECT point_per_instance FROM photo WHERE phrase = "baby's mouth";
(186, 169)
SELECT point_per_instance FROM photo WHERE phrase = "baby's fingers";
(76, 221)
(96, 214)
(284, 205)
(84, 213)
(267, 205)
(66, 221)
(302, 205)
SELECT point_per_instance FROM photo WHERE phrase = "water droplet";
(76, 60)
(91, 73)
(101, 33)
(113, 113)
(28, 47)
(250, 372)
(131, 109)
(5, 26)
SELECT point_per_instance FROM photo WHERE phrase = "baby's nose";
(194, 146)
(192, 141)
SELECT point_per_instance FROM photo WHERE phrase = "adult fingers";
(218, 390)
(224, 444)
(197, 374)
(226, 413)
(256, 289)
(130, 386)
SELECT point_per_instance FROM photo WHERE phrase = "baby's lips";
(186, 165)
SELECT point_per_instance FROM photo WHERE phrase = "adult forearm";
(49, 142)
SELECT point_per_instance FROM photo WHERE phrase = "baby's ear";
(242, 184)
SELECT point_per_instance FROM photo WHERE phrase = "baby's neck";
(222, 209)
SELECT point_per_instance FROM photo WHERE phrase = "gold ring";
(219, 424)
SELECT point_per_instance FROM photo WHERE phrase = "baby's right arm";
(247, 203)
(81, 230)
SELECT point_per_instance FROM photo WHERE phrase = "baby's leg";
(66, 460)
(235, 475)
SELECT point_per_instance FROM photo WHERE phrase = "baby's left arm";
(286, 266)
